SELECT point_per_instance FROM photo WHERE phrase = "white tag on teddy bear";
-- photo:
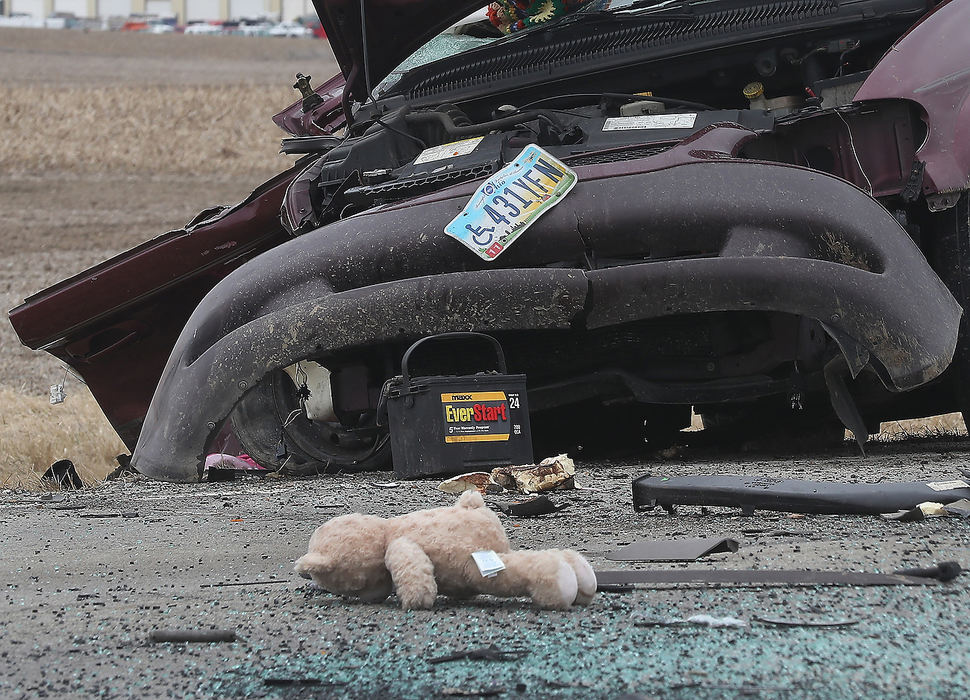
(489, 563)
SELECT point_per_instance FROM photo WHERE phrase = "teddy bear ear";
(312, 563)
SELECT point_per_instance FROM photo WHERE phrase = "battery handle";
(460, 335)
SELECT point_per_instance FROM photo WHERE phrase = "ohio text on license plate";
(509, 201)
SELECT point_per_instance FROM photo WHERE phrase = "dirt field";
(110, 139)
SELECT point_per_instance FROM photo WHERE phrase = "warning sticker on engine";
(448, 150)
(650, 121)
(479, 416)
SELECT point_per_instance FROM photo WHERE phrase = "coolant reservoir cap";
(754, 90)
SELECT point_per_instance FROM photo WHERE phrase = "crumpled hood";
(395, 30)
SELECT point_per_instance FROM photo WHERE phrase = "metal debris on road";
(793, 622)
(241, 583)
(944, 571)
(673, 550)
(462, 693)
(205, 636)
(280, 681)
(700, 619)
(489, 653)
(754, 577)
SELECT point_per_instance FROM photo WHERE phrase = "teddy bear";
(427, 552)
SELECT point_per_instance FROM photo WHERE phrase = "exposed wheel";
(272, 411)
(952, 237)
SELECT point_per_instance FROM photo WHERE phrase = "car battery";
(446, 424)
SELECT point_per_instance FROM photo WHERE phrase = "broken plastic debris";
(64, 474)
(920, 512)
(791, 495)
(224, 467)
(534, 507)
(551, 473)
(960, 508)
(466, 482)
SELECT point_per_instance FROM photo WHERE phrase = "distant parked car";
(253, 29)
(203, 28)
(158, 27)
(290, 29)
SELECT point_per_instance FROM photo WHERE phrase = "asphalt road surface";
(91, 576)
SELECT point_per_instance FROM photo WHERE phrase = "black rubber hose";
(448, 124)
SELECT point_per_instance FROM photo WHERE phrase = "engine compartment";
(646, 83)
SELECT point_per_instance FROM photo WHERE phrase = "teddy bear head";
(346, 557)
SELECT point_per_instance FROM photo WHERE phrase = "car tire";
(951, 229)
(312, 447)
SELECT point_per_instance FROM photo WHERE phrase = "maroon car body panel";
(326, 118)
(116, 323)
(928, 66)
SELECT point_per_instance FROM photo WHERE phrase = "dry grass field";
(110, 139)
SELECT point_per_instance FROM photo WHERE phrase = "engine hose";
(448, 124)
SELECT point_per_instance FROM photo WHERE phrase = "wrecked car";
(769, 223)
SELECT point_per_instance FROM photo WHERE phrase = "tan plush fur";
(428, 552)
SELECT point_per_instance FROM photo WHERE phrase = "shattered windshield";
(508, 17)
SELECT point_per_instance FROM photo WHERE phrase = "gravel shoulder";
(85, 591)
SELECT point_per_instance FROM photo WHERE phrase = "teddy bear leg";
(412, 573)
(560, 592)
(545, 576)
(585, 576)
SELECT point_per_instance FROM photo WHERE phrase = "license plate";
(509, 201)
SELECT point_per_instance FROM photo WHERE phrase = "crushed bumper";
(628, 244)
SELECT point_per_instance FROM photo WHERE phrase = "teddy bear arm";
(412, 573)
